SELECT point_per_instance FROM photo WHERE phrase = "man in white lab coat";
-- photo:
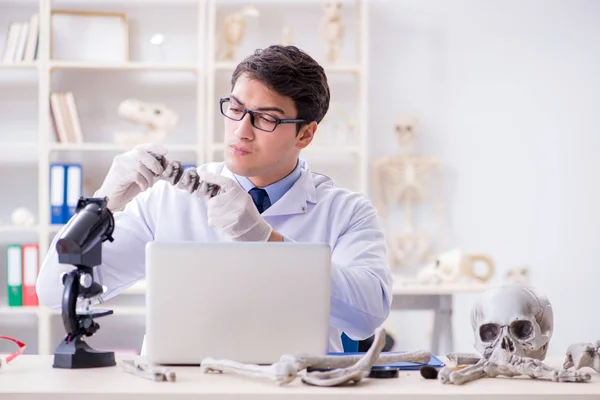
(278, 97)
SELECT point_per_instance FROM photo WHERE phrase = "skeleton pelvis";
(454, 264)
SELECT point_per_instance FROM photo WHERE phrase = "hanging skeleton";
(405, 180)
(512, 325)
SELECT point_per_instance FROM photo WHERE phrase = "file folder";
(74, 182)
(30, 274)
(57, 193)
(14, 275)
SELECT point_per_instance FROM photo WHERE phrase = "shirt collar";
(275, 190)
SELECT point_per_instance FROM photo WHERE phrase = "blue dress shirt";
(274, 190)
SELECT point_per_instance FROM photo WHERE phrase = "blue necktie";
(260, 198)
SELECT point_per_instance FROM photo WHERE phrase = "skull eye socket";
(522, 329)
(489, 332)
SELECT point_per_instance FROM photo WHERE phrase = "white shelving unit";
(208, 74)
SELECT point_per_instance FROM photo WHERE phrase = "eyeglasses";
(258, 119)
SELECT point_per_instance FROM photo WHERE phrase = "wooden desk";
(32, 377)
(438, 298)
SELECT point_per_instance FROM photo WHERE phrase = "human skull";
(518, 275)
(514, 317)
(332, 9)
(405, 128)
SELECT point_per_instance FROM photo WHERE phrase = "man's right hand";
(130, 174)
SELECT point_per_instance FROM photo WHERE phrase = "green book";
(14, 275)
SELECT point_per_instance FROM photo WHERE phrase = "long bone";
(288, 367)
(581, 355)
(504, 363)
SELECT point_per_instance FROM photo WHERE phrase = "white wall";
(507, 93)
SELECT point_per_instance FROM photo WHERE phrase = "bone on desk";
(439, 298)
(32, 377)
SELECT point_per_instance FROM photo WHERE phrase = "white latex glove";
(233, 210)
(130, 174)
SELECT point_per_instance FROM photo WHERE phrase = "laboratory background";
(472, 125)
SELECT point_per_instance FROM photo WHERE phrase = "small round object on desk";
(429, 372)
(384, 372)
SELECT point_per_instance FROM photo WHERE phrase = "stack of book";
(22, 41)
(65, 118)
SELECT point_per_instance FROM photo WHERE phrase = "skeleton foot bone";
(157, 374)
(345, 368)
(581, 355)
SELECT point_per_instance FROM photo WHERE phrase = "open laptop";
(247, 302)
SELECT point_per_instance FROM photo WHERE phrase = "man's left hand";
(233, 210)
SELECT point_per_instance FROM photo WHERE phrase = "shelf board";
(24, 310)
(113, 147)
(18, 229)
(19, 65)
(18, 146)
(122, 66)
(330, 69)
(112, 3)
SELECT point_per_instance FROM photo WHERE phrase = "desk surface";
(29, 377)
(405, 288)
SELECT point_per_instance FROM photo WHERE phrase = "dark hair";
(289, 72)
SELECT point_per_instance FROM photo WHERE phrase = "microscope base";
(78, 354)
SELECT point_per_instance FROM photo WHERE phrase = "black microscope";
(80, 244)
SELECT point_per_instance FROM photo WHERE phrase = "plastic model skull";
(515, 318)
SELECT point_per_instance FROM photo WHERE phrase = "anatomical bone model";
(188, 180)
(518, 275)
(405, 179)
(581, 355)
(159, 120)
(344, 368)
(333, 29)
(452, 266)
(512, 325)
(232, 32)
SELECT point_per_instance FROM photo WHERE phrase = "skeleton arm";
(504, 363)
(345, 369)
(515, 366)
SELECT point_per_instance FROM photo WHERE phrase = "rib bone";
(354, 373)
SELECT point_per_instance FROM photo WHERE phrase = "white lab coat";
(313, 210)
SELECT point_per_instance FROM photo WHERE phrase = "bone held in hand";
(186, 180)
(172, 170)
(190, 182)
